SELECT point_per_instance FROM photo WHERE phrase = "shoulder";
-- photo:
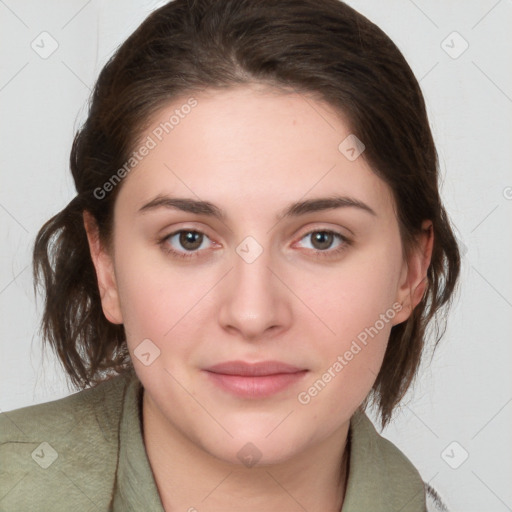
(20, 423)
(62, 453)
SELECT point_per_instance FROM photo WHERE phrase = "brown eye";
(186, 243)
(190, 240)
(325, 243)
(322, 240)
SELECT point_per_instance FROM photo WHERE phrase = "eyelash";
(328, 253)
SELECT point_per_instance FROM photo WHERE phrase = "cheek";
(354, 295)
(357, 307)
(351, 361)
(161, 302)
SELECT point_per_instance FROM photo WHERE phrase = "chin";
(255, 448)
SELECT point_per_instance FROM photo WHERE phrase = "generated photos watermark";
(150, 143)
(357, 345)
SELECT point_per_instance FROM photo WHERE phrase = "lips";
(254, 380)
(253, 369)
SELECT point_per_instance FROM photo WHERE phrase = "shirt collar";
(135, 487)
(379, 473)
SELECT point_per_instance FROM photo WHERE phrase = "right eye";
(184, 243)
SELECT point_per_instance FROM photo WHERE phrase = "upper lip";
(253, 369)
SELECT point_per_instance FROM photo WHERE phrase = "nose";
(254, 303)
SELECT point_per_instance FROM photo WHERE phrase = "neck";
(191, 479)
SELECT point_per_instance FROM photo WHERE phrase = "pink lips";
(256, 380)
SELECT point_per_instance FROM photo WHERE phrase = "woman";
(256, 248)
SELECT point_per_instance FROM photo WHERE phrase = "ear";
(104, 266)
(413, 279)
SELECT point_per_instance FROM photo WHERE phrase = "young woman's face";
(249, 265)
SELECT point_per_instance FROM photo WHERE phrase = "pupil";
(323, 238)
(190, 240)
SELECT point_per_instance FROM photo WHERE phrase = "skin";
(252, 151)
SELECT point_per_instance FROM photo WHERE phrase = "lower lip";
(255, 387)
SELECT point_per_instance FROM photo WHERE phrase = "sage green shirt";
(85, 452)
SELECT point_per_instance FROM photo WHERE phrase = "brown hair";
(319, 47)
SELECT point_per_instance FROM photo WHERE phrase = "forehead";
(250, 144)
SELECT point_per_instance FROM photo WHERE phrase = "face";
(233, 272)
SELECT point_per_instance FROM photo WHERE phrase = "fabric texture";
(85, 452)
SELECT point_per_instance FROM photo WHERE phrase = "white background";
(465, 393)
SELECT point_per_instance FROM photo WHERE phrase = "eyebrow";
(296, 209)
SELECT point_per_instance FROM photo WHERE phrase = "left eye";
(322, 240)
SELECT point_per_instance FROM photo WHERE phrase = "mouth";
(254, 380)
